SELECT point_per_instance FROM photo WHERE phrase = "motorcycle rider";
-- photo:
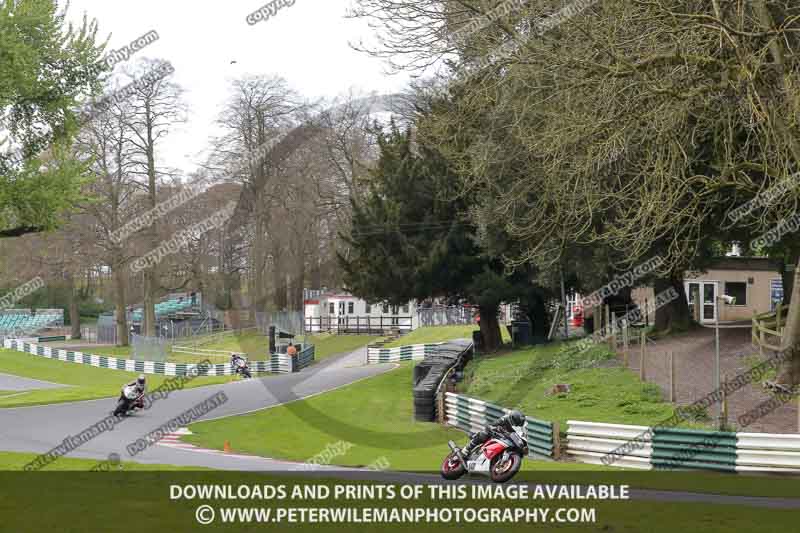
(140, 385)
(235, 358)
(504, 424)
(239, 364)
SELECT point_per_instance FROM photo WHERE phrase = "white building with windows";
(344, 313)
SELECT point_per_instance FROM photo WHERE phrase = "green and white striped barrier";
(412, 352)
(472, 415)
(682, 449)
(281, 363)
(304, 358)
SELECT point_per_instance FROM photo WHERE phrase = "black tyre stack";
(428, 375)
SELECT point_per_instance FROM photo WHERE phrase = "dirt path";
(694, 374)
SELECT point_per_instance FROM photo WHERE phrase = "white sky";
(307, 44)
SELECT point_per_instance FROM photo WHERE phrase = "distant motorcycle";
(500, 457)
(240, 366)
(129, 400)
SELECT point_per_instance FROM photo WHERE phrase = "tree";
(154, 107)
(410, 239)
(48, 67)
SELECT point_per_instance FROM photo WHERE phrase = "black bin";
(477, 339)
(521, 332)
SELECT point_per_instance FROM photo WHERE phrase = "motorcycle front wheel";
(501, 471)
(121, 408)
(452, 467)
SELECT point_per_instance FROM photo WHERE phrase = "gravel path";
(694, 374)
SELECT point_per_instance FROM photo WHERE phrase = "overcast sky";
(306, 43)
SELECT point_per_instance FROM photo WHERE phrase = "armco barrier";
(303, 359)
(589, 442)
(765, 452)
(472, 415)
(283, 364)
(683, 449)
(675, 448)
(412, 352)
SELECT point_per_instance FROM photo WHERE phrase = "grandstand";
(175, 306)
(178, 315)
(14, 322)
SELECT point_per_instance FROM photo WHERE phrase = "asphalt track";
(9, 382)
(39, 429)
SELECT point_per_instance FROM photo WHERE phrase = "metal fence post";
(642, 342)
(672, 392)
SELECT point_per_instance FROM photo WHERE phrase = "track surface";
(16, 383)
(39, 429)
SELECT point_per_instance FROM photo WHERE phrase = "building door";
(706, 293)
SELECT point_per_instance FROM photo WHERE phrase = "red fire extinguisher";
(577, 316)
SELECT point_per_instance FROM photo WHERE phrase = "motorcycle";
(500, 457)
(129, 400)
(241, 368)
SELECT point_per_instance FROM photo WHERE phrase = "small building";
(342, 312)
(754, 283)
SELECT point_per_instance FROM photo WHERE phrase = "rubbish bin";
(521, 332)
(477, 339)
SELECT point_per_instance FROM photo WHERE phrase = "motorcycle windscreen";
(493, 448)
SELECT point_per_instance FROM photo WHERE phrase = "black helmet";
(516, 418)
(140, 380)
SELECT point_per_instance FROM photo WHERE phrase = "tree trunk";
(675, 315)
(120, 306)
(149, 314)
(490, 328)
(74, 311)
(787, 274)
(790, 372)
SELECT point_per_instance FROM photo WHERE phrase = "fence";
(768, 329)
(412, 352)
(690, 449)
(359, 325)
(154, 367)
(289, 321)
(149, 348)
(445, 316)
(473, 415)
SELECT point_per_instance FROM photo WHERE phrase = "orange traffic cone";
(227, 447)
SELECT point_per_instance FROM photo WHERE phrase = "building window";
(394, 310)
(349, 308)
(385, 309)
(405, 309)
(737, 289)
(368, 309)
(330, 308)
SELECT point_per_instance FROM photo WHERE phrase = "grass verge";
(600, 390)
(11, 461)
(431, 334)
(84, 382)
(250, 342)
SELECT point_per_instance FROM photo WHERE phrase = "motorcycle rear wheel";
(502, 471)
(452, 467)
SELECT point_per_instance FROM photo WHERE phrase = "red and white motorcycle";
(500, 457)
